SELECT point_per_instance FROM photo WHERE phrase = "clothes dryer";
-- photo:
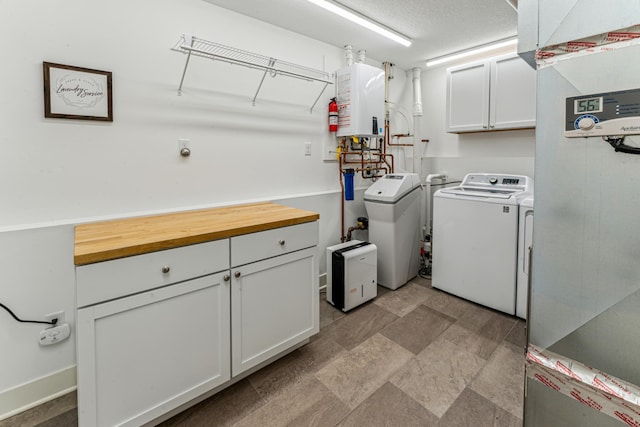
(525, 242)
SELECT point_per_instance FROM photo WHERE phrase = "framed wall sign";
(77, 93)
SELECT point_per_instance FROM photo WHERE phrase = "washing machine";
(475, 238)
(525, 241)
(393, 206)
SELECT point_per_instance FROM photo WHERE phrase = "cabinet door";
(274, 305)
(143, 355)
(513, 94)
(468, 97)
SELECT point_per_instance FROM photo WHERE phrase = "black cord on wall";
(53, 322)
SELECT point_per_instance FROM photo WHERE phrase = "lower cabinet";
(274, 305)
(143, 355)
(157, 330)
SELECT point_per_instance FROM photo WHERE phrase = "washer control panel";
(495, 182)
(603, 114)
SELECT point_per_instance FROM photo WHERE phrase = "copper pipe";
(342, 158)
(355, 227)
(401, 135)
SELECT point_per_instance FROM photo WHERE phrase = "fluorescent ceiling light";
(361, 20)
(466, 53)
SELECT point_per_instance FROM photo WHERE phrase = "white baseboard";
(37, 392)
(322, 281)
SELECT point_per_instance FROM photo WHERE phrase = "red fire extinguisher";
(333, 115)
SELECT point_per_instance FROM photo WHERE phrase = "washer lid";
(495, 185)
(392, 187)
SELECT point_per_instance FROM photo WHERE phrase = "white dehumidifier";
(351, 274)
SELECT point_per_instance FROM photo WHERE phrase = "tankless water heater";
(360, 98)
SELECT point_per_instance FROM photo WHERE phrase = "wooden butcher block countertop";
(102, 241)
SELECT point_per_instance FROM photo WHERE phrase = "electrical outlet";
(307, 148)
(57, 315)
(54, 335)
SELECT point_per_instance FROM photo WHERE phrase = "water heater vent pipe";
(348, 54)
(361, 55)
(417, 93)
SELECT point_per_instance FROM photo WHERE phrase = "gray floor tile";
(390, 406)
(518, 334)
(292, 368)
(359, 325)
(402, 360)
(467, 340)
(223, 408)
(328, 313)
(436, 377)
(326, 413)
(418, 329)
(422, 281)
(502, 379)
(403, 300)
(355, 375)
(45, 412)
(294, 402)
(471, 409)
(382, 290)
(488, 323)
(66, 419)
(446, 303)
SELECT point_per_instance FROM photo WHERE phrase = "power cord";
(617, 142)
(52, 322)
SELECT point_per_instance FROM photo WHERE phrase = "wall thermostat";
(603, 114)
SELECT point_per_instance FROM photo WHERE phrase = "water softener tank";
(393, 205)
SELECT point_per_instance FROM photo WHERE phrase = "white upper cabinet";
(496, 94)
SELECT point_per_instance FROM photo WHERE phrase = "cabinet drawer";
(266, 244)
(108, 280)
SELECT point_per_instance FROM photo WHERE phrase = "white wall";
(458, 154)
(56, 173)
(58, 169)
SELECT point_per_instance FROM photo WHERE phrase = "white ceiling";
(437, 27)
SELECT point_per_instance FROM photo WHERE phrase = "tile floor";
(412, 357)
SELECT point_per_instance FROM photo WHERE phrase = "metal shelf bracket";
(194, 46)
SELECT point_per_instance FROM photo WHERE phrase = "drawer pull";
(166, 269)
(282, 242)
(226, 277)
(237, 274)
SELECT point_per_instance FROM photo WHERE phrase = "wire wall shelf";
(194, 46)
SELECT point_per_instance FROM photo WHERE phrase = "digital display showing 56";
(587, 105)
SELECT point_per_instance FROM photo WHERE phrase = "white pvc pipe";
(417, 93)
(429, 200)
(433, 176)
(348, 54)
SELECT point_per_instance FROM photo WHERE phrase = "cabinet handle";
(166, 269)
(236, 274)
(226, 277)
(282, 242)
